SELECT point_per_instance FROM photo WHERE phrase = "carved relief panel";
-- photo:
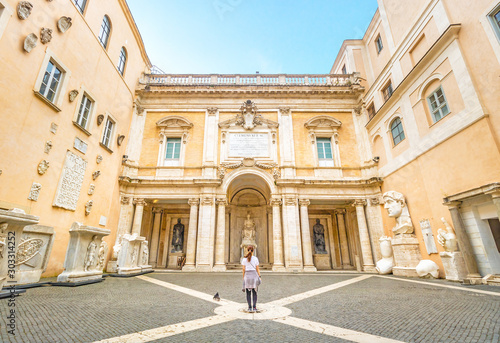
(70, 183)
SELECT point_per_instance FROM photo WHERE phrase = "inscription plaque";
(248, 145)
(70, 184)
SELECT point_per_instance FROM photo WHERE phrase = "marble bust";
(395, 205)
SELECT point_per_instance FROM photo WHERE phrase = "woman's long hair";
(250, 253)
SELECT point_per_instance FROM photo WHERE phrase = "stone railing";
(329, 80)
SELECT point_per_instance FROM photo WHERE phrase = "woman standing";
(251, 278)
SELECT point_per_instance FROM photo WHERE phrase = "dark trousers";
(251, 292)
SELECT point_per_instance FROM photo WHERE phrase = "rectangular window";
(80, 4)
(371, 111)
(173, 150)
(50, 82)
(108, 133)
(84, 112)
(438, 105)
(378, 43)
(387, 91)
(494, 18)
(324, 148)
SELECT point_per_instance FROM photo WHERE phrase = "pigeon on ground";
(217, 297)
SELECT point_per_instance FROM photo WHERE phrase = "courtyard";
(320, 307)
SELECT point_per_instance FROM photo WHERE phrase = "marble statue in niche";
(24, 9)
(248, 235)
(90, 257)
(177, 237)
(396, 207)
(447, 238)
(319, 238)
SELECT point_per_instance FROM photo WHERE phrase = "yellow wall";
(26, 120)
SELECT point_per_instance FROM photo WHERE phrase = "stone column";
(464, 242)
(306, 236)
(220, 239)
(139, 210)
(155, 239)
(375, 225)
(192, 233)
(124, 227)
(364, 237)
(206, 233)
(277, 236)
(344, 246)
(291, 234)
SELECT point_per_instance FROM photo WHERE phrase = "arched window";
(397, 131)
(105, 31)
(122, 61)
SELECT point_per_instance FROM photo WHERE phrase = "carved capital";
(125, 200)
(358, 110)
(290, 201)
(157, 210)
(212, 111)
(285, 111)
(139, 109)
(275, 202)
(139, 202)
(206, 201)
(304, 202)
(221, 201)
(340, 211)
(359, 202)
(375, 201)
(194, 202)
(453, 204)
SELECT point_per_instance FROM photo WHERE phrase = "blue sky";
(245, 36)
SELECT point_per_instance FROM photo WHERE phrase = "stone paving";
(178, 307)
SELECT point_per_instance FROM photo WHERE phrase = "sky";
(249, 36)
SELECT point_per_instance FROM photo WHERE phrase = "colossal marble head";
(394, 203)
(396, 207)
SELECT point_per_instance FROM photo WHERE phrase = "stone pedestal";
(33, 253)
(12, 224)
(454, 266)
(406, 255)
(81, 264)
(128, 258)
(322, 261)
(173, 260)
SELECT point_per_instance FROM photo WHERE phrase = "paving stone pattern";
(115, 307)
(407, 311)
(387, 307)
(274, 286)
(247, 331)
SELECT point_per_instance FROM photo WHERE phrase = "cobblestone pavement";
(336, 308)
